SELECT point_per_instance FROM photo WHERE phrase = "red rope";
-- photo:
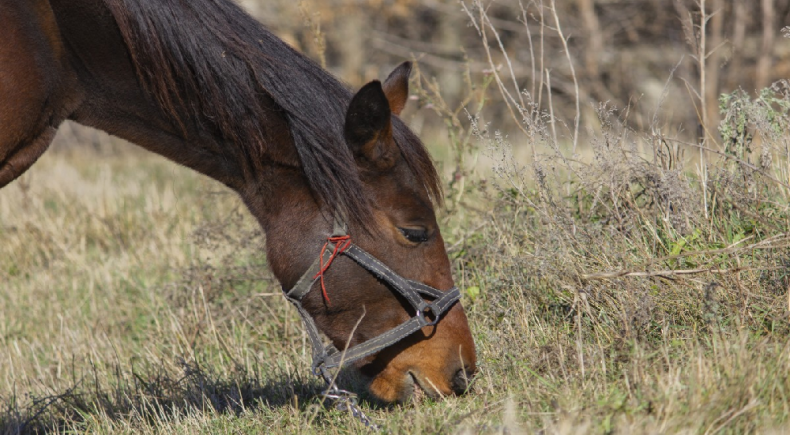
(341, 244)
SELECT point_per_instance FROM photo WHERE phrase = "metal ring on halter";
(421, 315)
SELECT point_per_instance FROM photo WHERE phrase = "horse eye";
(415, 235)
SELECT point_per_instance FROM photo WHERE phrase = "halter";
(328, 357)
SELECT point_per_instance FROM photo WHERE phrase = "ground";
(135, 299)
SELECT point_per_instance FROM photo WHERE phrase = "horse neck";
(112, 99)
(272, 188)
(268, 186)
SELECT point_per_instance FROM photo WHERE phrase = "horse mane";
(205, 61)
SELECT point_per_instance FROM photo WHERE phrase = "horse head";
(349, 301)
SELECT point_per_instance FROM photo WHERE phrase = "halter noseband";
(328, 357)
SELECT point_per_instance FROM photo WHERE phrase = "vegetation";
(624, 270)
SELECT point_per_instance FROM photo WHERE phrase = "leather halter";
(328, 357)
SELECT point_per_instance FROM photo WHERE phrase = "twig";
(481, 28)
(668, 273)
(49, 401)
(752, 403)
(399, 49)
(728, 250)
(740, 161)
(573, 74)
(524, 20)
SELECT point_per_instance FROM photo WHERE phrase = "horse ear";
(396, 87)
(368, 127)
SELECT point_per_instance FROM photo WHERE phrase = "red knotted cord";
(341, 244)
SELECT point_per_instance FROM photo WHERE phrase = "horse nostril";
(462, 380)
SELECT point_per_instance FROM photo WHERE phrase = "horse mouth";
(418, 392)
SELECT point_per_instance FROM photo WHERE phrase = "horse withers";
(339, 184)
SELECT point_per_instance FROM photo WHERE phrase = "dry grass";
(135, 299)
(614, 284)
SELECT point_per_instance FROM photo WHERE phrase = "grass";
(618, 288)
(135, 299)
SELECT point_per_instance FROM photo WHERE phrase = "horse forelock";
(206, 63)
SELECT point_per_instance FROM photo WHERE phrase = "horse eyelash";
(415, 235)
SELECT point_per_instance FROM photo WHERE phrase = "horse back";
(38, 87)
(62, 59)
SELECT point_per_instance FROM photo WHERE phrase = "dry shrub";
(637, 274)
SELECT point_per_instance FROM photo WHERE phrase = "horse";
(334, 178)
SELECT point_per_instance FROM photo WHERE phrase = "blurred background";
(623, 51)
(632, 54)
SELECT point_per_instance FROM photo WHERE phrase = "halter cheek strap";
(339, 243)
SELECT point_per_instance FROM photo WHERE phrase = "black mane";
(204, 61)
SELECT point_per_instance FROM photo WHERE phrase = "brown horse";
(205, 85)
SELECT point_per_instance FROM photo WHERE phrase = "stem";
(573, 74)
(701, 58)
